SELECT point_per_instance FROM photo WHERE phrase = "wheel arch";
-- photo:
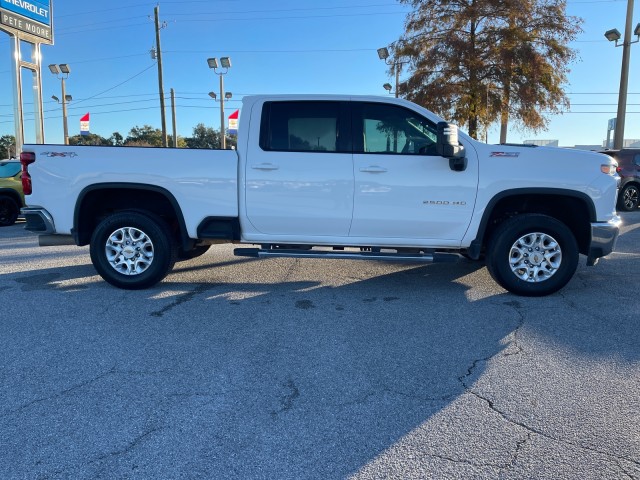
(99, 200)
(575, 209)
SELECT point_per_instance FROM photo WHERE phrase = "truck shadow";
(237, 375)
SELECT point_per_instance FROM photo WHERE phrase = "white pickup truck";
(318, 176)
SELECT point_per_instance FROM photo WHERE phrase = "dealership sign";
(32, 17)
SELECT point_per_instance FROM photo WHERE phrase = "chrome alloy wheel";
(535, 257)
(630, 198)
(129, 251)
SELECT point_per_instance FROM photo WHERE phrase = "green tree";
(116, 139)
(7, 146)
(90, 139)
(204, 137)
(181, 143)
(476, 61)
(145, 136)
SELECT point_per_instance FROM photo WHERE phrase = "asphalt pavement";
(236, 368)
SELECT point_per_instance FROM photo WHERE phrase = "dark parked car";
(11, 197)
(629, 170)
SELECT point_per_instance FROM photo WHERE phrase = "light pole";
(383, 54)
(62, 71)
(225, 63)
(613, 35)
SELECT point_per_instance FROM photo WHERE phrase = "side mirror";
(447, 146)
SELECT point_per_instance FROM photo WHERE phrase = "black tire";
(9, 211)
(515, 256)
(148, 255)
(628, 198)
(193, 253)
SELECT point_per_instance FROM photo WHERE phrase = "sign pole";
(16, 79)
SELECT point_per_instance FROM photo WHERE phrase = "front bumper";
(603, 239)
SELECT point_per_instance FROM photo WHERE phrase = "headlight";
(609, 168)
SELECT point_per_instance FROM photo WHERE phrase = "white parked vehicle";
(329, 177)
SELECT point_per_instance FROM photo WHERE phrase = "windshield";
(9, 169)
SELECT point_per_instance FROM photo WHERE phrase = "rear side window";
(303, 127)
(636, 159)
(9, 169)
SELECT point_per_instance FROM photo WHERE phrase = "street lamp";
(383, 54)
(225, 64)
(62, 71)
(614, 35)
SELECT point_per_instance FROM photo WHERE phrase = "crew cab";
(317, 176)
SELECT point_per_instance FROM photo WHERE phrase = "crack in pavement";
(517, 307)
(184, 298)
(500, 466)
(59, 394)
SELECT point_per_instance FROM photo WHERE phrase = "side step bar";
(434, 257)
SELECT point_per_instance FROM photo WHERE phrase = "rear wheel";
(532, 255)
(628, 198)
(132, 250)
(9, 211)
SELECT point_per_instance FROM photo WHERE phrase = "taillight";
(26, 158)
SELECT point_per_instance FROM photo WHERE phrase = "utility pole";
(173, 118)
(618, 133)
(156, 11)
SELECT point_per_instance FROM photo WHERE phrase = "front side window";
(306, 126)
(636, 159)
(392, 129)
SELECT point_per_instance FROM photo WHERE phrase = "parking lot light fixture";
(225, 63)
(613, 35)
(383, 54)
(62, 71)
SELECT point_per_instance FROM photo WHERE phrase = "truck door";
(403, 189)
(300, 179)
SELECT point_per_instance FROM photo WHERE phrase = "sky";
(280, 46)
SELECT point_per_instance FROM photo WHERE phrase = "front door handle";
(265, 166)
(373, 169)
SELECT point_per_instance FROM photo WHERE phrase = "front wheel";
(629, 198)
(532, 255)
(132, 250)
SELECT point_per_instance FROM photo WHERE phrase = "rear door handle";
(265, 166)
(373, 169)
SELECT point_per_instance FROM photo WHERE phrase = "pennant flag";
(84, 125)
(233, 123)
